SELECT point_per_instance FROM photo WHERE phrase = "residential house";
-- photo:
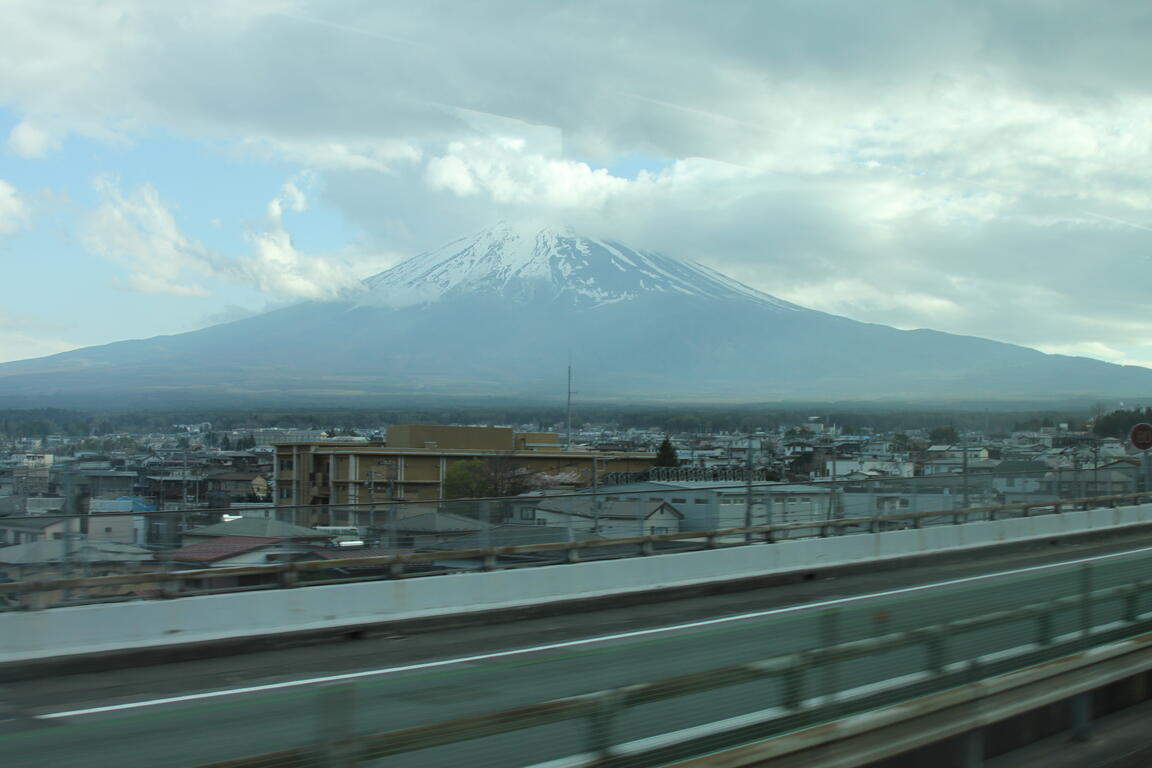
(227, 551)
(620, 519)
(25, 530)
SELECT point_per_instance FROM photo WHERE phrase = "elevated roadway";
(196, 712)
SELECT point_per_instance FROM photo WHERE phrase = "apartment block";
(412, 463)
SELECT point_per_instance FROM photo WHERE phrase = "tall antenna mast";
(568, 444)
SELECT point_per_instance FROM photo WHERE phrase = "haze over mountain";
(506, 311)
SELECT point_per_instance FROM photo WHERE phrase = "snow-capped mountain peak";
(523, 263)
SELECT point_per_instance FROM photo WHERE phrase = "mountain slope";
(506, 311)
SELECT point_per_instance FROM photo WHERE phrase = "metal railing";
(44, 593)
(648, 697)
(810, 687)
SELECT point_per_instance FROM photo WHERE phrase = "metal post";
(937, 651)
(829, 637)
(335, 721)
(65, 548)
(1096, 467)
(973, 749)
(1044, 625)
(484, 513)
(770, 518)
(1132, 604)
(827, 526)
(1086, 601)
(1146, 466)
(832, 476)
(793, 685)
(393, 522)
(66, 556)
(1081, 706)
(600, 739)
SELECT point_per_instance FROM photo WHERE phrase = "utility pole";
(568, 443)
(1096, 466)
(748, 490)
(832, 477)
(964, 470)
(184, 493)
(595, 497)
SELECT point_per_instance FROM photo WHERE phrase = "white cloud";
(22, 338)
(500, 168)
(1121, 354)
(1085, 349)
(290, 196)
(140, 232)
(338, 155)
(16, 345)
(979, 170)
(13, 210)
(30, 140)
(278, 267)
(858, 298)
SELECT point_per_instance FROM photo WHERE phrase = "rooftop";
(219, 549)
(265, 528)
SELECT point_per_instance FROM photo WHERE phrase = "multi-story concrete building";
(412, 463)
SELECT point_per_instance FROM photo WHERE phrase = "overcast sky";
(977, 167)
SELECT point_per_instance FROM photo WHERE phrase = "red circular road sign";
(1141, 437)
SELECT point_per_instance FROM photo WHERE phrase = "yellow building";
(412, 464)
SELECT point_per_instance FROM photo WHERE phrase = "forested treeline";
(1119, 423)
(670, 419)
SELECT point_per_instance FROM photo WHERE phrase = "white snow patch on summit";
(531, 263)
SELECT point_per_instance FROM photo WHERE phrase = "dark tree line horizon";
(668, 419)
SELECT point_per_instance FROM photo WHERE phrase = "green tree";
(491, 477)
(943, 435)
(1118, 423)
(466, 480)
(666, 454)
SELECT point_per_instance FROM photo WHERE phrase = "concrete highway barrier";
(91, 629)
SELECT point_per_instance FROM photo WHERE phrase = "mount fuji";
(506, 311)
